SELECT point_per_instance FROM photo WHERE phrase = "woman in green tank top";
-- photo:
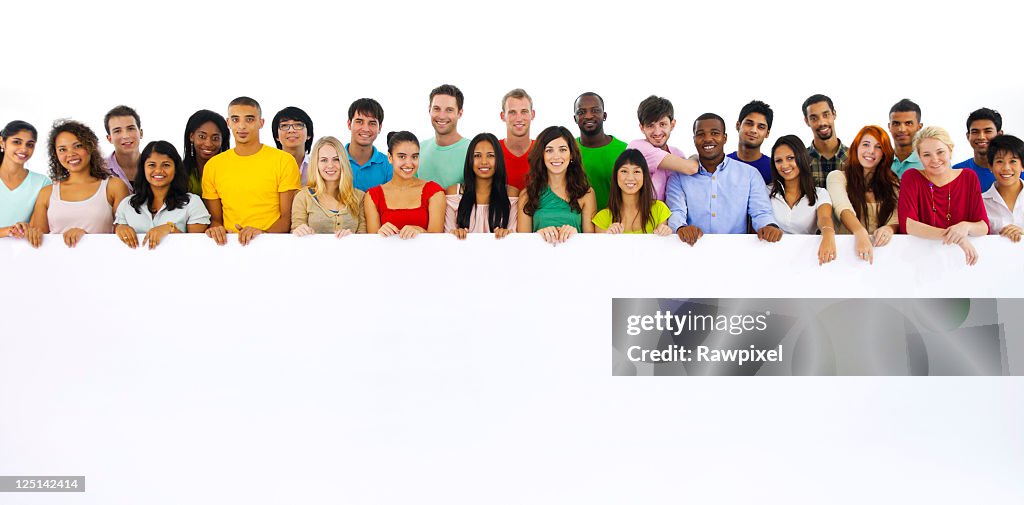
(558, 201)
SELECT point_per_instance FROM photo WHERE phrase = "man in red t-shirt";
(517, 113)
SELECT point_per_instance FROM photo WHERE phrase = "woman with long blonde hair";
(329, 204)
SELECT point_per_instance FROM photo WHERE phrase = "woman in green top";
(632, 207)
(206, 135)
(558, 201)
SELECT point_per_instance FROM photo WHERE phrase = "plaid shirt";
(821, 166)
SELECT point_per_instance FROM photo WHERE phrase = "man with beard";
(597, 149)
(754, 125)
(826, 150)
(904, 123)
(983, 125)
(722, 194)
(443, 157)
(657, 120)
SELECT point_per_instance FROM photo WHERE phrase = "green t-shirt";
(659, 214)
(598, 164)
(443, 165)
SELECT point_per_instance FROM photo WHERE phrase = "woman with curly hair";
(20, 186)
(558, 201)
(83, 196)
(865, 192)
(161, 204)
(206, 135)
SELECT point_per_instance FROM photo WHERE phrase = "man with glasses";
(249, 189)
(293, 133)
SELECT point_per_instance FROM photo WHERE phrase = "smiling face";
(821, 119)
(785, 163)
(245, 122)
(709, 138)
(124, 134)
(1006, 166)
(980, 133)
(405, 157)
(590, 115)
(934, 156)
(557, 156)
(364, 129)
(159, 170)
(444, 114)
(630, 178)
(292, 134)
(658, 132)
(518, 115)
(329, 163)
(903, 126)
(869, 152)
(207, 141)
(484, 160)
(71, 152)
(753, 129)
(18, 148)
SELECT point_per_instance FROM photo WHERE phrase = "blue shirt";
(763, 165)
(375, 172)
(16, 205)
(985, 176)
(142, 220)
(719, 202)
(900, 167)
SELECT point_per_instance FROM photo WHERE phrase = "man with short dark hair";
(293, 133)
(598, 149)
(722, 194)
(983, 125)
(753, 126)
(249, 189)
(124, 132)
(443, 156)
(657, 120)
(826, 150)
(370, 167)
(904, 123)
(517, 113)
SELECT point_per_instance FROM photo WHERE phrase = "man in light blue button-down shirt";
(718, 199)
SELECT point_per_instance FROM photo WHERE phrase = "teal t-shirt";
(16, 205)
(598, 163)
(443, 165)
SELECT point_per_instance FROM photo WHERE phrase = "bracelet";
(823, 228)
(174, 229)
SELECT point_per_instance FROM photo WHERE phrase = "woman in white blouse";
(1004, 201)
(800, 208)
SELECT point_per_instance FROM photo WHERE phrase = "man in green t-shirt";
(598, 149)
(443, 156)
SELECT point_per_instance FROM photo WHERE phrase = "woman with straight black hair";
(558, 201)
(485, 203)
(20, 185)
(632, 207)
(206, 135)
(161, 204)
(800, 208)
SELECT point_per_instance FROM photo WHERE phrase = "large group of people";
(555, 185)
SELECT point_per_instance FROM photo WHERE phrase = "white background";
(362, 392)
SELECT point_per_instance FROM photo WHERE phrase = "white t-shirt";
(802, 219)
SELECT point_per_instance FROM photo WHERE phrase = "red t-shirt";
(941, 207)
(516, 167)
(416, 216)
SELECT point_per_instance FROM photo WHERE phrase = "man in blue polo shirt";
(722, 194)
(983, 125)
(370, 167)
(904, 123)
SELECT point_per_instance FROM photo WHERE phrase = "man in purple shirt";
(657, 121)
(124, 132)
(753, 126)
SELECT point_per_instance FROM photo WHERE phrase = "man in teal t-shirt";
(443, 157)
(598, 149)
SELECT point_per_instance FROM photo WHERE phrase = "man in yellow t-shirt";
(249, 189)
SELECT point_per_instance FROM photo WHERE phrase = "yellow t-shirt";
(659, 214)
(248, 186)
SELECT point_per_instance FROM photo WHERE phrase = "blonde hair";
(933, 132)
(519, 93)
(345, 194)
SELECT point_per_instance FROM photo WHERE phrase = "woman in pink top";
(470, 208)
(939, 202)
(83, 197)
(406, 205)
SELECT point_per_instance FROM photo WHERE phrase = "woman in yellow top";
(329, 204)
(632, 207)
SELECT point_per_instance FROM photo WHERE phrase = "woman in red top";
(940, 202)
(406, 205)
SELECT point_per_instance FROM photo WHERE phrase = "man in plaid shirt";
(826, 150)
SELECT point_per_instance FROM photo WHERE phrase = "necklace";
(949, 203)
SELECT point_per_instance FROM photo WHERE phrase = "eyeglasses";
(291, 126)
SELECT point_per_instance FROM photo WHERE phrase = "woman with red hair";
(865, 192)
